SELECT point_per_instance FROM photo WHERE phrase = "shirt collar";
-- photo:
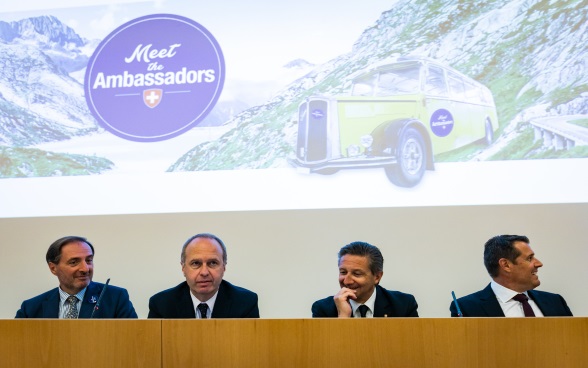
(210, 302)
(63, 295)
(504, 294)
(370, 303)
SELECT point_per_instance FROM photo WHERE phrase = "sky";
(256, 36)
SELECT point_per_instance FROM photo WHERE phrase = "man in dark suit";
(361, 267)
(512, 264)
(204, 294)
(71, 259)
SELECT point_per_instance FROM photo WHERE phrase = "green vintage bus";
(398, 115)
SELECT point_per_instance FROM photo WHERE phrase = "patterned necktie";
(203, 308)
(363, 310)
(526, 306)
(72, 309)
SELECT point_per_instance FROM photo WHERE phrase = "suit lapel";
(51, 305)
(90, 298)
(489, 303)
(543, 303)
(222, 305)
(185, 307)
(382, 305)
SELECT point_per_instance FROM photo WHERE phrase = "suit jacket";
(388, 303)
(115, 303)
(484, 304)
(231, 302)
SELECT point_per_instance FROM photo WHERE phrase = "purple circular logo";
(154, 78)
(441, 123)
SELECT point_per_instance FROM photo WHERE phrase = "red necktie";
(526, 306)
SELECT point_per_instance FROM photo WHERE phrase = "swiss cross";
(152, 97)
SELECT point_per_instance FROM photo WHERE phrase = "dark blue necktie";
(363, 310)
(203, 308)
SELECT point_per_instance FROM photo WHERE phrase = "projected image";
(535, 71)
(423, 93)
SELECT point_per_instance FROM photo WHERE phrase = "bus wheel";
(489, 137)
(411, 156)
(328, 171)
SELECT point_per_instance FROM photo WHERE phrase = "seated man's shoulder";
(110, 288)
(42, 296)
(473, 296)
(397, 294)
(32, 308)
(554, 304)
(545, 294)
(115, 292)
(323, 301)
(237, 290)
(324, 307)
(118, 289)
(171, 292)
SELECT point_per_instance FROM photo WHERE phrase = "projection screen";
(115, 112)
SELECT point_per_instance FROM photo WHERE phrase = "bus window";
(473, 93)
(399, 81)
(364, 86)
(456, 87)
(435, 83)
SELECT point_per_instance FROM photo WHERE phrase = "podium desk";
(380, 342)
(29, 343)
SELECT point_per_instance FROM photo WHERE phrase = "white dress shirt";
(63, 299)
(369, 303)
(511, 307)
(210, 302)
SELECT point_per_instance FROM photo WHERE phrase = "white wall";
(289, 257)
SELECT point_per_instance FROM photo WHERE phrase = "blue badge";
(441, 123)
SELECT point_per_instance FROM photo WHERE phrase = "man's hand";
(342, 302)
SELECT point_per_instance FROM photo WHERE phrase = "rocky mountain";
(531, 53)
(298, 64)
(39, 101)
(47, 31)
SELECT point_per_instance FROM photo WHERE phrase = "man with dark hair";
(204, 294)
(361, 267)
(71, 259)
(512, 264)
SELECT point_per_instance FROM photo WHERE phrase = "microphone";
(97, 306)
(459, 314)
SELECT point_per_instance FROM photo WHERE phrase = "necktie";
(72, 309)
(363, 310)
(526, 306)
(203, 308)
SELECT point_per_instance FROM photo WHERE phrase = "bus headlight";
(353, 150)
(366, 141)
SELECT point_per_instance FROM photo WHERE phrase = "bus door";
(440, 110)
